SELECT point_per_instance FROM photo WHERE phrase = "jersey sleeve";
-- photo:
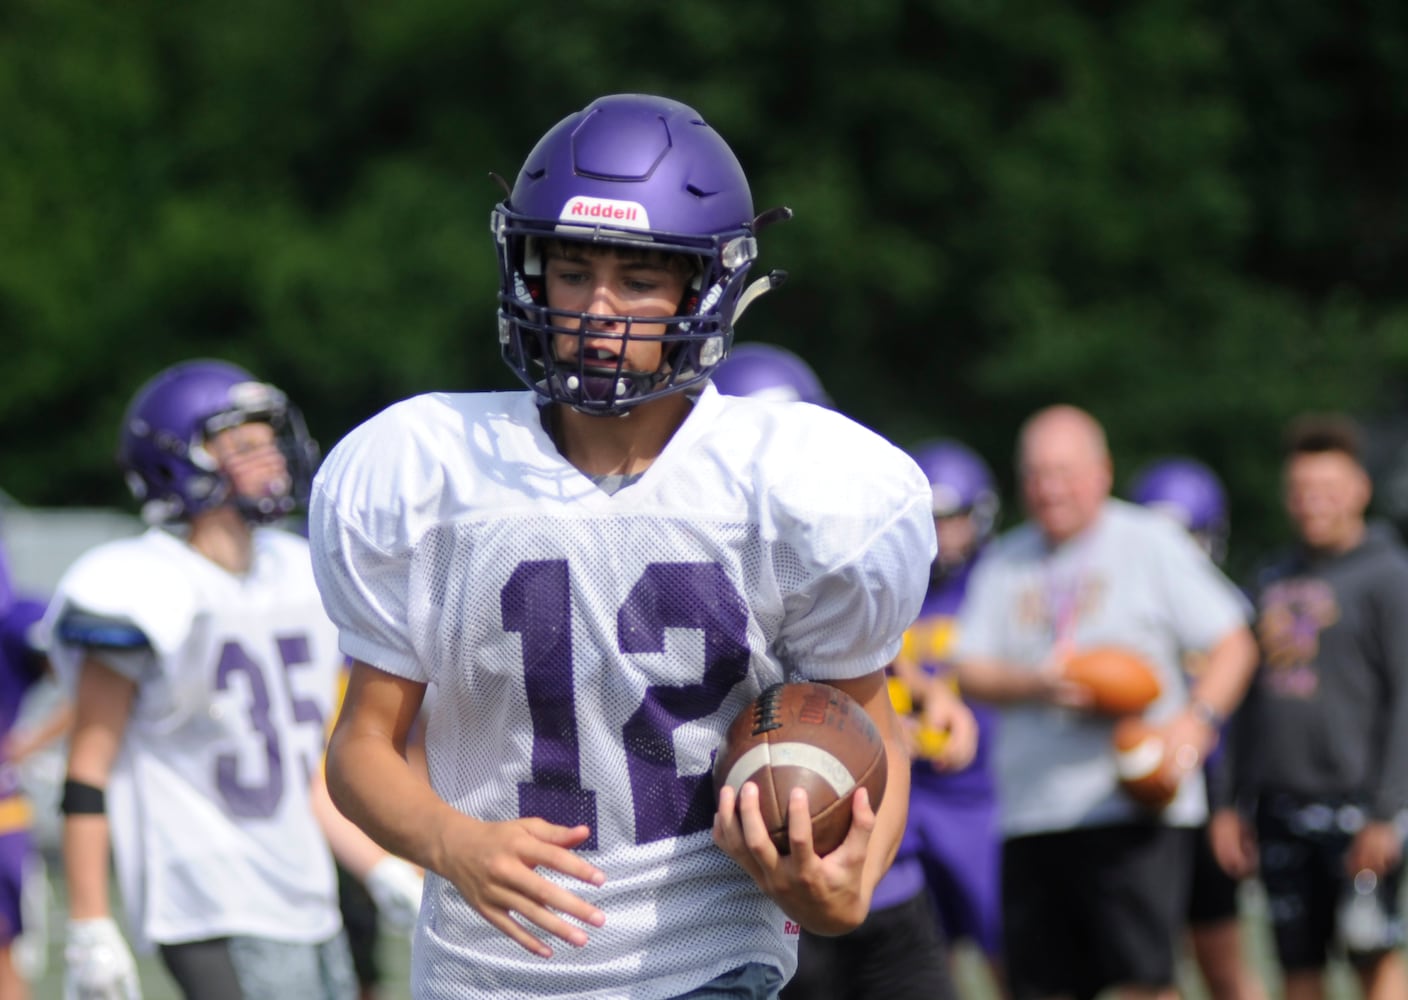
(121, 604)
(862, 558)
(361, 553)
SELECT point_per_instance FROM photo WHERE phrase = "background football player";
(204, 671)
(952, 828)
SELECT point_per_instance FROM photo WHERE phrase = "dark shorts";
(754, 981)
(1087, 909)
(362, 924)
(1213, 899)
(1302, 845)
(897, 953)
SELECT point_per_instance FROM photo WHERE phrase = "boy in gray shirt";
(1320, 748)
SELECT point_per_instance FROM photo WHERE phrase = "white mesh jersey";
(212, 830)
(588, 650)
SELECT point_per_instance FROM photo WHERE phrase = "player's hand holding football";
(493, 866)
(825, 894)
(98, 964)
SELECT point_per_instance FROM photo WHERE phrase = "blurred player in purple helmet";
(952, 840)
(765, 371)
(22, 664)
(1192, 494)
(203, 671)
(899, 950)
(594, 575)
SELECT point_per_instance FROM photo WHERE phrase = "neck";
(624, 445)
(224, 537)
(1349, 539)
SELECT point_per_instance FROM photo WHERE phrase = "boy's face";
(250, 458)
(958, 537)
(606, 283)
(1326, 494)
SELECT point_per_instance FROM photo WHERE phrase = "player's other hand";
(1377, 848)
(1050, 684)
(826, 895)
(395, 886)
(1233, 843)
(945, 712)
(98, 963)
(494, 866)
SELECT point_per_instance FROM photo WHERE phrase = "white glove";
(98, 964)
(395, 885)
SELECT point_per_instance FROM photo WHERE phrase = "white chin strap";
(756, 290)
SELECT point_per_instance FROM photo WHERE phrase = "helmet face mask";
(162, 447)
(633, 173)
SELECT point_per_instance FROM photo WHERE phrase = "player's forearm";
(1223, 682)
(85, 855)
(373, 786)
(997, 682)
(353, 848)
(894, 811)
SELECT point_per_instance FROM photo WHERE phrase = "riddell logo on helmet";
(626, 214)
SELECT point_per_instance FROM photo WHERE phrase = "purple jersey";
(930, 640)
(20, 667)
(950, 842)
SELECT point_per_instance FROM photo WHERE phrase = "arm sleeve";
(849, 620)
(363, 588)
(1391, 613)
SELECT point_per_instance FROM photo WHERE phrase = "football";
(1142, 762)
(1121, 681)
(804, 735)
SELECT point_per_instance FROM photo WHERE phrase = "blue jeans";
(754, 981)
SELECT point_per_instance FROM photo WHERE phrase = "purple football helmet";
(1190, 493)
(636, 172)
(765, 371)
(962, 483)
(161, 448)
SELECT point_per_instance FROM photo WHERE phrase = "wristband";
(1206, 714)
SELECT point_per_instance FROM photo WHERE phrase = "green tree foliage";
(1184, 216)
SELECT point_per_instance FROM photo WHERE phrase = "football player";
(22, 665)
(952, 830)
(766, 371)
(204, 671)
(595, 575)
(1191, 493)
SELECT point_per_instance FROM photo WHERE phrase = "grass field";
(968, 970)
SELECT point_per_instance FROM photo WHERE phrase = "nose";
(602, 307)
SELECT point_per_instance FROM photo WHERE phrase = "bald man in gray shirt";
(1094, 885)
